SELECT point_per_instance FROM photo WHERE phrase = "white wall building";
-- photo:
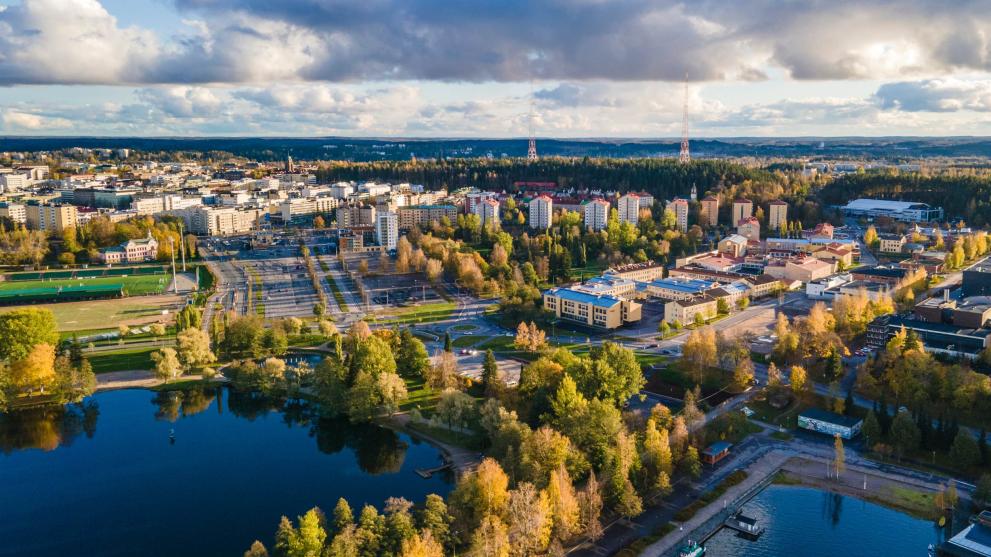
(629, 208)
(488, 212)
(387, 230)
(680, 209)
(541, 209)
(596, 214)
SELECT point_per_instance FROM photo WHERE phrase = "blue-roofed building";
(679, 288)
(604, 311)
(609, 285)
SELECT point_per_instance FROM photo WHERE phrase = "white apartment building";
(474, 199)
(14, 211)
(680, 209)
(488, 212)
(596, 214)
(387, 230)
(212, 221)
(629, 208)
(292, 208)
(341, 190)
(541, 210)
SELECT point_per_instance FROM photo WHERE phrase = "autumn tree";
(529, 520)
(193, 349)
(167, 364)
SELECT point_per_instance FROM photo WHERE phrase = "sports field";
(135, 285)
(98, 315)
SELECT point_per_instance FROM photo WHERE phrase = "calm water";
(102, 478)
(813, 523)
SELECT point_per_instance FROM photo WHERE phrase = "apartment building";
(680, 209)
(742, 209)
(709, 212)
(211, 221)
(16, 212)
(387, 230)
(778, 216)
(602, 311)
(293, 209)
(684, 311)
(629, 208)
(892, 243)
(488, 212)
(424, 215)
(640, 272)
(50, 217)
(596, 214)
(148, 205)
(749, 228)
(355, 215)
(541, 212)
(13, 182)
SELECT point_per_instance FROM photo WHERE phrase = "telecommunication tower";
(531, 150)
(684, 157)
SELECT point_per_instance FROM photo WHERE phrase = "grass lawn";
(462, 328)
(466, 341)
(135, 285)
(338, 296)
(499, 344)
(96, 315)
(426, 313)
(420, 396)
(121, 360)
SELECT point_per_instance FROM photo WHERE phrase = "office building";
(13, 182)
(541, 209)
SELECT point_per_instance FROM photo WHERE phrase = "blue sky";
(597, 68)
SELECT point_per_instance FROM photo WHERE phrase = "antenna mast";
(531, 151)
(684, 157)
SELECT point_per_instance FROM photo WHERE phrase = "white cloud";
(936, 95)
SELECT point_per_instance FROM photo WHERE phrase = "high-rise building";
(680, 209)
(475, 198)
(742, 208)
(14, 211)
(778, 215)
(596, 214)
(541, 209)
(387, 230)
(709, 214)
(629, 208)
(488, 212)
(50, 217)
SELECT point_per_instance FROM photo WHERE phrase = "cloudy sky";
(469, 68)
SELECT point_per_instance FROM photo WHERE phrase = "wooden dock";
(427, 473)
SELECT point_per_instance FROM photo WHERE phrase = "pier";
(427, 473)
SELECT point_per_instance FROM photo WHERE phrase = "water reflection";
(47, 427)
(377, 450)
(832, 507)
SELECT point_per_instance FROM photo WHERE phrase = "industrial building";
(906, 211)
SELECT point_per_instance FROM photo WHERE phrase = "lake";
(102, 478)
(814, 523)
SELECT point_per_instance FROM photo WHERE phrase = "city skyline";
(430, 69)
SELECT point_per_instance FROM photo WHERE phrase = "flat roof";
(975, 538)
(884, 205)
(682, 284)
(830, 417)
(600, 300)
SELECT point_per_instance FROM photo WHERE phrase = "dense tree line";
(961, 194)
(663, 178)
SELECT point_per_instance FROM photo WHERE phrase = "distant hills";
(339, 148)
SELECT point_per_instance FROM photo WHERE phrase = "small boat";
(692, 549)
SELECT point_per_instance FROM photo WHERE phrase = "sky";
(488, 68)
